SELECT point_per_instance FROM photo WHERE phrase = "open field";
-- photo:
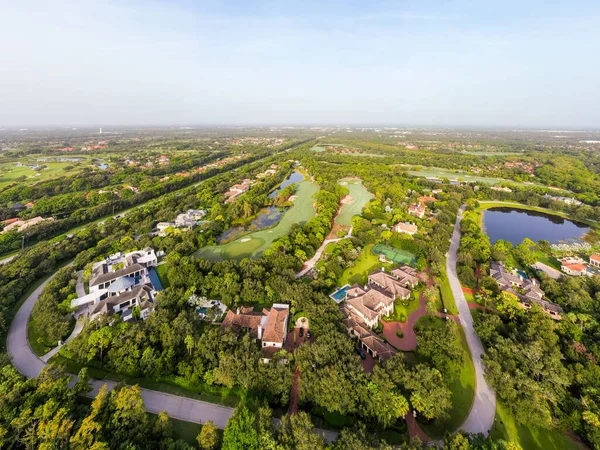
(254, 244)
(9, 173)
(530, 438)
(360, 196)
(435, 172)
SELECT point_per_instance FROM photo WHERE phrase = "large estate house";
(270, 326)
(365, 305)
(186, 221)
(368, 340)
(376, 299)
(119, 284)
(527, 290)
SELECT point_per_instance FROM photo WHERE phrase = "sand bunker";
(245, 239)
(347, 200)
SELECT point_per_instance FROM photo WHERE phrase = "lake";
(514, 225)
(295, 177)
(266, 218)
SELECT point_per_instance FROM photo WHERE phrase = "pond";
(514, 225)
(266, 218)
(295, 177)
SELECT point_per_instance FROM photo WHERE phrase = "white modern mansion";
(119, 284)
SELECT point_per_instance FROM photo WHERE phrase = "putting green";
(360, 196)
(254, 244)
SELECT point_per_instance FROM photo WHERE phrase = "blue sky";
(430, 63)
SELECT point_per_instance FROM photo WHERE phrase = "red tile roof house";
(270, 326)
(574, 269)
(417, 210)
(595, 261)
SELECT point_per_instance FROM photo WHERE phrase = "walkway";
(182, 408)
(308, 265)
(483, 410)
(414, 430)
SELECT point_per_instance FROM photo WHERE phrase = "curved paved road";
(483, 410)
(309, 264)
(182, 408)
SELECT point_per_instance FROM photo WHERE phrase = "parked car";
(307, 334)
(301, 332)
(361, 352)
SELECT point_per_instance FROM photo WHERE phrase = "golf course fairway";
(359, 197)
(254, 244)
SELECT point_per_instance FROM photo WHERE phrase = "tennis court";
(394, 254)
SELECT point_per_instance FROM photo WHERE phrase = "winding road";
(182, 408)
(483, 410)
(309, 264)
(479, 420)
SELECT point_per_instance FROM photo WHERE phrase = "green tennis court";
(394, 254)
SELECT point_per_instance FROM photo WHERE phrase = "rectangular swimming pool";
(340, 294)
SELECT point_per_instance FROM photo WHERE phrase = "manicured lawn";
(447, 297)
(463, 389)
(548, 260)
(161, 271)
(366, 263)
(404, 308)
(360, 197)
(32, 337)
(529, 438)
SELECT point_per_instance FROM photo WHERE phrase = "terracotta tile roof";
(575, 267)
(246, 318)
(595, 258)
(275, 327)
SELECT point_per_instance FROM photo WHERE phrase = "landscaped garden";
(366, 263)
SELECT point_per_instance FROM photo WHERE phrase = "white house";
(120, 283)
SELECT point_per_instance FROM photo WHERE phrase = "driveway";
(182, 408)
(483, 410)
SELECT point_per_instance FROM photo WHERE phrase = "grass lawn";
(360, 197)
(548, 260)
(463, 389)
(161, 271)
(366, 263)
(447, 297)
(171, 385)
(529, 438)
(404, 308)
(33, 336)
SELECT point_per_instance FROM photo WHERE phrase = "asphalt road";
(483, 410)
(182, 408)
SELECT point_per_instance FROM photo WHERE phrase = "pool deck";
(342, 289)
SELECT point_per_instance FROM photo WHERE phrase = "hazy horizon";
(437, 65)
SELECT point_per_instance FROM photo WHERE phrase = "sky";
(532, 63)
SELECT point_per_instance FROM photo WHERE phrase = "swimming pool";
(340, 294)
